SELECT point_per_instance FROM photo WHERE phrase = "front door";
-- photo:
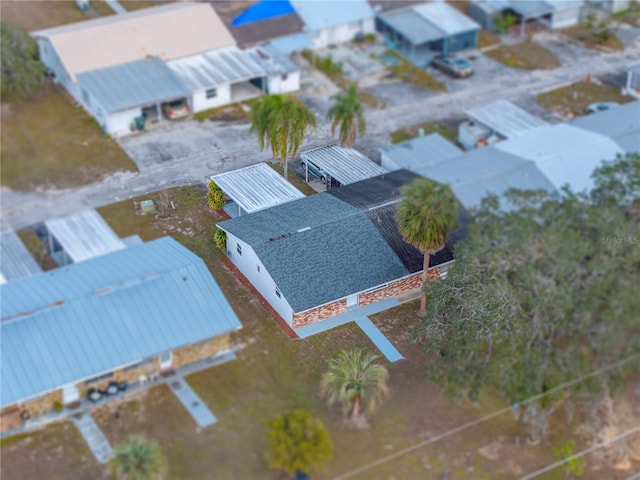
(166, 360)
(70, 394)
(352, 301)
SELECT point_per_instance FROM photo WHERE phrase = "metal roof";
(272, 60)
(412, 26)
(15, 260)
(217, 67)
(564, 153)
(170, 31)
(445, 17)
(93, 317)
(319, 14)
(350, 229)
(421, 152)
(346, 165)
(529, 8)
(256, 187)
(133, 84)
(84, 235)
(505, 118)
(621, 124)
(292, 43)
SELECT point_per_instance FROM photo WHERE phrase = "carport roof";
(84, 235)
(428, 22)
(77, 322)
(15, 260)
(421, 152)
(256, 187)
(505, 118)
(272, 60)
(133, 84)
(346, 165)
(217, 67)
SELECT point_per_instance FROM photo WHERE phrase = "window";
(165, 360)
(212, 93)
(138, 365)
(284, 77)
(258, 266)
(278, 294)
(239, 249)
(98, 379)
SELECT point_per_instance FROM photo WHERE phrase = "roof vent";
(303, 229)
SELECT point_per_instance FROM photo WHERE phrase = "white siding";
(341, 33)
(200, 101)
(119, 123)
(276, 84)
(567, 17)
(248, 264)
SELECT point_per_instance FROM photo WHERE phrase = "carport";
(425, 30)
(16, 262)
(80, 237)
(344, 165)
(254, 188)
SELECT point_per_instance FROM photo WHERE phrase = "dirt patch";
(572, 100)
(526, 55)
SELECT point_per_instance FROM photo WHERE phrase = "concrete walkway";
(94, 437)
(379, 340)
(116, 7)
(192, 402)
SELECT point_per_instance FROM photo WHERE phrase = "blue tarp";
(263, 10)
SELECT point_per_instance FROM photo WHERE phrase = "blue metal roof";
(77, 322)
(133, 84)
(420, 152)
(263, 10)
(319, 14)
(292, 43)
(15, 260)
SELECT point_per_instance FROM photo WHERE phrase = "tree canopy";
(539, 295)
(298, 442)
(281, 123)
(22, 72)
(138, 459)
(347, 112)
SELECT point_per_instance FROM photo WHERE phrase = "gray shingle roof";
(133, 84)
(77, 322)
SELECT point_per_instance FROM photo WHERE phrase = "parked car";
(601, 107)
(314, 170)
(176, 109)
(454, 66)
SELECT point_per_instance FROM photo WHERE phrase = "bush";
(57, 406)
(220, 239)
(215, 196)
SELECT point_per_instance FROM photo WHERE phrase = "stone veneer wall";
(364, 298)
(197, 351)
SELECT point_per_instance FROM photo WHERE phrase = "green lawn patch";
(408, 133)
(573, 99)
(50, 142)
(630, 15)
(418, 77)
(40, 14)
(37, 249)
(588, 39)
(525, 56)
(228, 113)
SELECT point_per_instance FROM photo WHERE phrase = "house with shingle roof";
(322, 255)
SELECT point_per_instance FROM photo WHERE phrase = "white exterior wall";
(248, 264)
(275, 84)
(567, 17)
(341, 33)
(119, 123)
(611, 5)
(200, 101)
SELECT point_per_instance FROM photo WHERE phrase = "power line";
(582, 453)
(489, 416)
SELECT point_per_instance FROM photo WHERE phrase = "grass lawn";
(630, 16)
(563, 102)
(583, 35)
(37, 249)
(38, 14)
(49, 142)
(525, 56)
(418, 77)
(408, 133)
(487, 39)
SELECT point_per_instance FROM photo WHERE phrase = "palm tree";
(355, 381)
(425, 216)
(138, 459)
(347, 112)
(281, 123)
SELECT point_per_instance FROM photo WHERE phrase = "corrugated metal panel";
(256, 187)
(15, 260)
(165, 298)
(84, 235)
(319, 14)
(217, 67)
(413, 26)
(421, 152)
(292, 43)
(563, 153)
(447, 18)
(133, 84)
(505, 118)
(346, 165)
(621, 124)
(272, 60)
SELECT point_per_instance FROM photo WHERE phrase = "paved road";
(206, 149)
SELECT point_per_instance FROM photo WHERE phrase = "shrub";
(57, 406)
(215, 196)
(220, 239)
